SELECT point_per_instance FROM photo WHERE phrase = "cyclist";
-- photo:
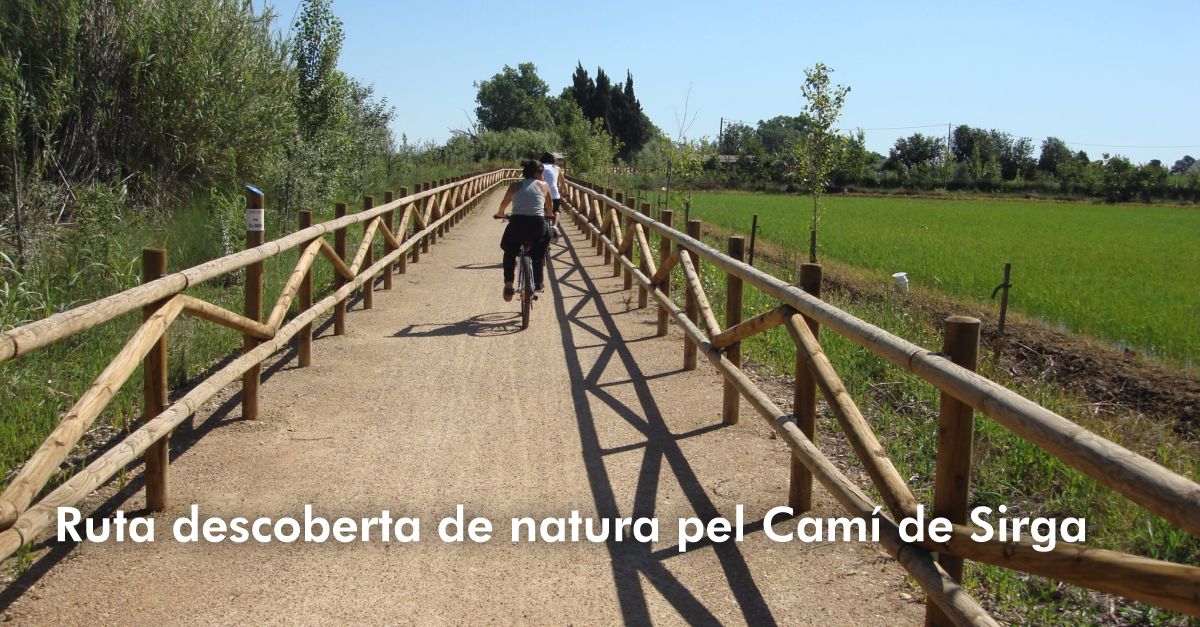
(552, 175)
(532, 206)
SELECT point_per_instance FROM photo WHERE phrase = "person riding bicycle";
(532, 206)
(551, 175)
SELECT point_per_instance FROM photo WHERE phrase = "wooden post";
(340, 249)
(733, 316)
(753, 237)
(368, 288)
(599, 206)
(401, 235)
(1003, 311)
(643, 255)
(629, 250)
(664, 253)
(690, 355)
(956, 424)
(255, 226)
(804, 399)
(441, 229)
(389, 220)
(425, 240)
(305, 294)
(615, 229)
(606, 213)
(154, 373)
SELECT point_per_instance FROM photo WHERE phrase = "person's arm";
(505, 202)
(548, 202)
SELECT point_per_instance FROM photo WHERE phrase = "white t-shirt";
(550, 175)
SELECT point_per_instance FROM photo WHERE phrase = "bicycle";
(525, 289)
(525, 283)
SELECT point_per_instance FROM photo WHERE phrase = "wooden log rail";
(935, 566)
(162, 302)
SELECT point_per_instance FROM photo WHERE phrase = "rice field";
(1124, 274)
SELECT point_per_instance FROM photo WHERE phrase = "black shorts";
(557, 206)
(523, 229)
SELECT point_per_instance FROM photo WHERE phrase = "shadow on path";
(631, 561)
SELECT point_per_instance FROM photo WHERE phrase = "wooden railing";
(431, 210)
(623, 233)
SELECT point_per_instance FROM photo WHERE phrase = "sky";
(1106, 77)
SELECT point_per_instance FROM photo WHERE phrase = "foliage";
(588, 146)
(316, 46)
(616, 105)
(915, 150)
(139, 91)
(513, 98)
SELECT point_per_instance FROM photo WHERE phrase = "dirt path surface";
(434, 398)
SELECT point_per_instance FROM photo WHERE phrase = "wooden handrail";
(30, 337)
(46, 460)
(37, 471)
(947, 593)
(1144, 482)
(1169, 585)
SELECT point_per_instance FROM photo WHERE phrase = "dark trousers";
(522, 229)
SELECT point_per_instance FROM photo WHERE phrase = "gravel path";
(433, 399)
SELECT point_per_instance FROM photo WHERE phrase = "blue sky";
(1123, 77)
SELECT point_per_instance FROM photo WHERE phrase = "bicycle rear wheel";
(526, 290)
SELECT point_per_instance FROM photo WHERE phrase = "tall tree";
(316, 46)
(598, 104)
(917, 149)
(818, 147)
(514, 98)
(781, 132)
(1054, 154)
(581, 86)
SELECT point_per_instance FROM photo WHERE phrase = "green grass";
(1125, 274)
(902, 410)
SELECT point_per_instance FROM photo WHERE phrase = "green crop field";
(1125, 274)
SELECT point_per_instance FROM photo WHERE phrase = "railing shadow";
(632, 561)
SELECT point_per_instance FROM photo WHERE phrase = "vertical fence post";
(154, 387)
(255, 226)
(598, 210)
(305, 295)
(401, 235)
(804, 400)
(733, 315)
(605, 213)
(664, 253)
(425, 240)
(616, 228)
(339, 247)
(956, 424)
(643, 256)
(690, 353)
(389, 220)
(629, 245)
(368, 286)
(441, 229)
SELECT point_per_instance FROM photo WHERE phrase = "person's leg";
(510, 266)
(539, 261)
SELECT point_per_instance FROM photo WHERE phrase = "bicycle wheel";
(526, 289)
